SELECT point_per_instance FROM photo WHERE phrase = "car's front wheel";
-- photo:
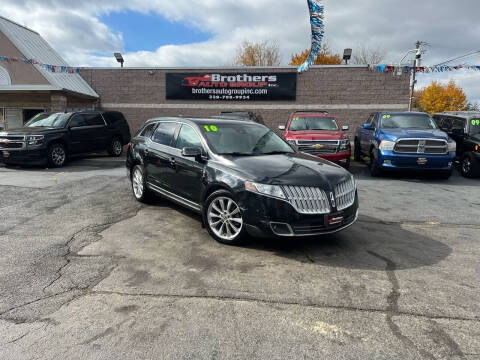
(375, 169)
(57, 155)
(469, 166)
(139, 186)
(223, 218)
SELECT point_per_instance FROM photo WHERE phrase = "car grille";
(345, 194)
(318, 147)
(9, 142)
(307, 200)
(421, 146)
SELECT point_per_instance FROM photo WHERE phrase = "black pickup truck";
(49, 138)
(464, 128)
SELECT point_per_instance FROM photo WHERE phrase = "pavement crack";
(392, 307)
(18, 338)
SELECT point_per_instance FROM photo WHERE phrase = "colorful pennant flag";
(48, 67)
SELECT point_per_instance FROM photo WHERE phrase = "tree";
(324, 57)
(264, 53)
(438, 98)
(363, 55)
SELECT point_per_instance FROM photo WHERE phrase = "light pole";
(416, 63)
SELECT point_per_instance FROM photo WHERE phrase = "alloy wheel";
(117, 147)
(137, 183)
(466, 165)
(58, 155)
(225, 218)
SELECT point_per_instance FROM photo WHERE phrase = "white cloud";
(74, 29)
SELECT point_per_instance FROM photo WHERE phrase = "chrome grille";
(316, 147)
(345, 194)
(9, 142)
(307, 200)
(421, 146)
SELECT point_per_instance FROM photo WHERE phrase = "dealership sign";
(232, 87)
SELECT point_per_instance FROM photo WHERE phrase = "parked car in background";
(464, 128)
(404, 141)
(242, 177)
(319, 134)
(49, 138)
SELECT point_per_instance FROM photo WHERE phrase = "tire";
(375, 169)
(115, 148)
(56, 156)
(221, 208)
(357, 152)
(139, 185)
(469, 166)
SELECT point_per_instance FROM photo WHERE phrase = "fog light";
(450, 164)
(388, 162)
(343, 161)
(281, 229)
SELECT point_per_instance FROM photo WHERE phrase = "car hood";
(314, 135)
(395, 134)
(31, 131)
(288, 169)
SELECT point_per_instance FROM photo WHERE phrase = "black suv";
(241, 115)
(242, 178)
(464, 128)
(48, 138)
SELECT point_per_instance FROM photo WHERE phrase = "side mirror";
(282, 127)
(345, 128)
(192, 152)
(368, 126)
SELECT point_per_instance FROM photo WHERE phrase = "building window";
(4, 77)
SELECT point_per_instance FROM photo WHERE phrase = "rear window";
(164, 133)
(300, 123)
(113, 117)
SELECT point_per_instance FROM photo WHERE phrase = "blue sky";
(148, 32)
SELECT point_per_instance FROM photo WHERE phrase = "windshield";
(474, 127)
(407, 121)
(57, 120)
(300, 123)
(243, 139)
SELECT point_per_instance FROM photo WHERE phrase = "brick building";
(349, 92)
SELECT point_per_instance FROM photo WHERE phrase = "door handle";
(172, 161)
(145, 151)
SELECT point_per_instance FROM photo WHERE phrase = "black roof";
(202, 121)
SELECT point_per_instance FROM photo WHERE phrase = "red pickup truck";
(319, 134)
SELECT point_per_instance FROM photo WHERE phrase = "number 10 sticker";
(211, 128)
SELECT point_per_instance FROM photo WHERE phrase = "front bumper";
(27, 157)
(341, 158)
(270, 217)
(390, 160)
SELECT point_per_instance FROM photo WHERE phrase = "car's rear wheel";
(375, 169)
(469, 167)
(357, 152)
(57, 155)
(115, 148)
(223, 218)
(139, 185)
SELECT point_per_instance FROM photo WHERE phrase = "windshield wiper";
(236, 154)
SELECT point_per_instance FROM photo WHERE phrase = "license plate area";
(422, 161)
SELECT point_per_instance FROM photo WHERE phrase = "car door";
(79, 133)
(367, 134)
(98, 127)
(160, 155)
(457, 132)
(188, 176)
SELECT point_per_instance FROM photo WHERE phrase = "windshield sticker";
(476, 122)
(211, 128)
(296, 118)
(386, 116)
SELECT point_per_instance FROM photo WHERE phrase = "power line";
(460, 57)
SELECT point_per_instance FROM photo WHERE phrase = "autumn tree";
(368, 55)
(438, 98)
(324, 57)
(264, 53)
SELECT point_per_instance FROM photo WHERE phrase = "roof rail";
(311, 111)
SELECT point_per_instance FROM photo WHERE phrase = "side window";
(458, 123)
(446, 124)
(439, 121)
(164, 133)
(148, 131)
(77, 120)
(93, 119)
(370, 118)
(113, 117)
(374, 121)
(188, 138)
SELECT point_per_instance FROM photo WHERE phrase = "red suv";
(319, 134)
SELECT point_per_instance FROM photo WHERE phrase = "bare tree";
(363, 55)
(264, 53)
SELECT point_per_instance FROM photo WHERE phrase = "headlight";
(387, 145)
(452, 146)
(269, 190)
(344, 144)
(34, 140)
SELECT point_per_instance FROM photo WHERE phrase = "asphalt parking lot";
(87, 272)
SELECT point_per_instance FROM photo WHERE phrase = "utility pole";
(413, 80)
